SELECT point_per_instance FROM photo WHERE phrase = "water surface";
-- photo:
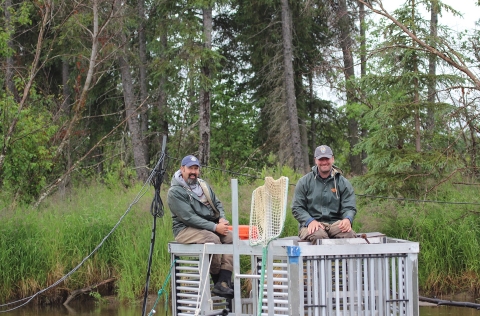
(89, 309)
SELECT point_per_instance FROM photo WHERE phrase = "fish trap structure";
(368, 275)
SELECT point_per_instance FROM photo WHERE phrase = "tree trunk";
(162, 99)
(66, 91)
(204, 145)
(142, 53)
(432, 68)
(132, 118)
(298, 163)
(416, 96)
(133, 121)
(346, 43)
(363, 66)
(9, 69)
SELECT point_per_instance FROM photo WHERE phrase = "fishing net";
(267, 218)
(267, 214)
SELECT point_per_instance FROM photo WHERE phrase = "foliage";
(403, 154)
(29, 161)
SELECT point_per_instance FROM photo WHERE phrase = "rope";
(162, 290)
(200, 298)
(262, 280)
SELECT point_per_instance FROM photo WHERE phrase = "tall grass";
(448, 234)
(38, 247)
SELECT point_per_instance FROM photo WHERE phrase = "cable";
(156, 209)
(415, 200)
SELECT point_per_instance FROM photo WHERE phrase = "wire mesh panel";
(191, 295)
(186, 285)
(355, 285)
(280, 287)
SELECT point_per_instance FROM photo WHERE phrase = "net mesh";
(267, 215)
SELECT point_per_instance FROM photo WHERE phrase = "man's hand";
(221, 220)
(314, 226)
(345, 226)
(222, 227)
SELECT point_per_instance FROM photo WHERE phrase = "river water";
(119, 310)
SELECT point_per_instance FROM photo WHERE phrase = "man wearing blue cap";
(198, 217)
(324, 201)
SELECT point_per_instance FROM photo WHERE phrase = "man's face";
(324, 165)
(190, 174)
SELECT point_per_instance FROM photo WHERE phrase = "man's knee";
(227, 239)
(211, 237)
(320, 234)
(350, 234)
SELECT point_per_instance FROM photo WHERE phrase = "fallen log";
(450, 303)
(85, 290)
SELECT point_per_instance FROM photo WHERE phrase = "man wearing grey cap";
(324, 201)
(198, 217)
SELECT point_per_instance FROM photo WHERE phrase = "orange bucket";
(243, 231)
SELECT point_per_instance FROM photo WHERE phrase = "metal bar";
(323, 287)
(248, 276)
(413, 282)
(394, 281)
(372, 286)
(359, 286)
(237, 305)
(270, 267)
(295, 282)
(173, 283)
(337, 286)
(317, 282)
(351, 285)
(401, 284)
(344, 287)
(308, 285)
(188, 275)
(380, 302)
(329, 284)
(386, 279)
(185, 268)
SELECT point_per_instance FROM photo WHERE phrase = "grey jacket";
(188, 211)
(326, 201)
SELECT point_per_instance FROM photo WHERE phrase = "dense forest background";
(90, 88)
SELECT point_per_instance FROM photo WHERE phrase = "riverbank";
(97, 225)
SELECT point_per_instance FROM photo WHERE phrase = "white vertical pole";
(236, 257)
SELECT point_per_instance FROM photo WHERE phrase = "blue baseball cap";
(190, 160)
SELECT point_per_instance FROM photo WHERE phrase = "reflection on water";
(448, 310)
(119, 310)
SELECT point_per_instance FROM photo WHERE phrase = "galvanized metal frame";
(337, 277)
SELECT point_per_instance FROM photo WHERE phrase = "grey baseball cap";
(323, 151)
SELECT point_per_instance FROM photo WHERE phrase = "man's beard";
(191, 181)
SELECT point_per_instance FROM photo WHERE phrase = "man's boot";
(222, 288)
(214, 278)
